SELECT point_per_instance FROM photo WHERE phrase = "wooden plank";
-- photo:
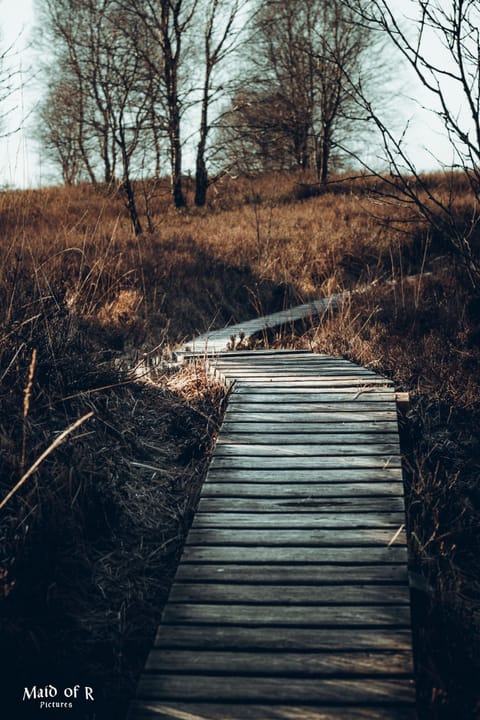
(294, 615)
(273, 375)
(363, 443)
(302, 555)
(267, 415)
(321, 384)
(309, 370)
(264, 352)
(231, 637)
(343, 429)
(159, 710)
(306, 370)
(297, 505)
(226, 447)
(308, 397)
(276, 689)
(256, 357)
(297, 359)
(373, 393)
(311, 490)
(298, 476)
(298, 362)
(289, 595)
(248, 357)
(314, 381)
(307, 404)
(306, 521)
(310, 462)
(306, 538)
(271, 664)
(299, 574)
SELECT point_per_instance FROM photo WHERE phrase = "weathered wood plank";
(306, 538)
(266, 356)
(290, 379)
(347, 443)
(245, 393)
(298, 365)
(294, 365)
(158, 710)
(226, 447)
(298, 574)
(314, 416)
(298, 359)
(350, 398)
(274, 425)
(277, 521)
(303, 382)
(306, 368)
(311, 462)
(305, 404)
(288, 595)
(231, 637)
(330, 475)
(276, 689)
(303, 555)
(308, 505)
(351, 386)
(296, 616)
(310, 490)
(271, 664)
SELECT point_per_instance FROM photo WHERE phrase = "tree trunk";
(176, 162)
(131, 204)
(201, 182)
(324, 155)
(201, 175)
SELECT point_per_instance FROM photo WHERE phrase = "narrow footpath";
(291, 600)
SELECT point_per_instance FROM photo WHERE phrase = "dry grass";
(89, 542)
(424, 334)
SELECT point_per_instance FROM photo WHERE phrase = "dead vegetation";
(89, 542)
(423, 332)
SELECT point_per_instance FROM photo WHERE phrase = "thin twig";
(58, 441)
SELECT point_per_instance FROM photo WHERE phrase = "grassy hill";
(90, 540)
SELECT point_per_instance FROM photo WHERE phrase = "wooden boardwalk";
(291, 600)
(217, 341)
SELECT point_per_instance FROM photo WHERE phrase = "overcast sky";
(18, 162)
(20, 159)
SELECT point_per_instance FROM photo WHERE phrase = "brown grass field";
(90, 537)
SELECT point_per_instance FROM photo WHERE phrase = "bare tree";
(340, 47)
(70, 32)
(7, 85)
(167, 23)
(100, 109)
(441, 44)
(12, 80)
(255, 134)
(219, 40)
(285, 70)
(58, 130)
(295, 103)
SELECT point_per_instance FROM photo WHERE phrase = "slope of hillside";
(89, 541)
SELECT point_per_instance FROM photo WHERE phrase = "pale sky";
(20, 160)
